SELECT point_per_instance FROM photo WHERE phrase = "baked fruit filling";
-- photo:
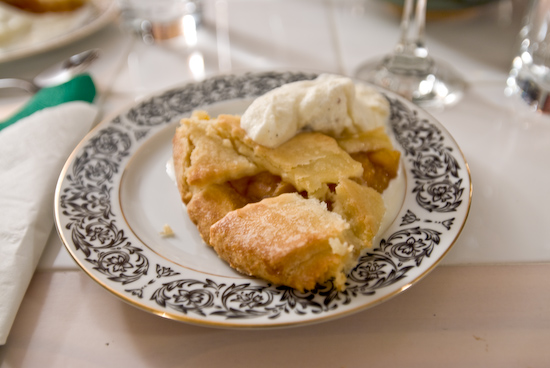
(298, 214)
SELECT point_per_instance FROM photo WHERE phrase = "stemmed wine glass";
(410, 71)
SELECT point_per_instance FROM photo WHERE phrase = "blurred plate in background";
(24, 34)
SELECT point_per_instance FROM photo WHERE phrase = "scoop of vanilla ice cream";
(329, 104)
(271, 119)
(371, 109)
(326, 104)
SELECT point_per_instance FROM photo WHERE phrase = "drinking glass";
(530, 73)
(410, 70)
(159, 20)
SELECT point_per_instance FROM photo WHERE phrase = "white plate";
(51, 30)
(114, 196)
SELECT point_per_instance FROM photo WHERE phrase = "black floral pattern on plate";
(89, 214)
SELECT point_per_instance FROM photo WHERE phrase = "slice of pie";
(298, 214)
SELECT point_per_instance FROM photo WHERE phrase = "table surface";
(487, 304)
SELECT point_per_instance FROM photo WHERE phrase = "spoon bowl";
(56, 74)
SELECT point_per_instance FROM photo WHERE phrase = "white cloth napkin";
(32, 154)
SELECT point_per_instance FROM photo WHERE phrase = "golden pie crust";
(295, 215)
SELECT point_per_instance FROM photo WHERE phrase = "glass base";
(423, 81)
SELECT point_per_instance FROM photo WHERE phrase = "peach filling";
(379, 167)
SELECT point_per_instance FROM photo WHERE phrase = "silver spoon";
(56, 74)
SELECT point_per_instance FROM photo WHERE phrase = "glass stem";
(412, 29)
(410, 55)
